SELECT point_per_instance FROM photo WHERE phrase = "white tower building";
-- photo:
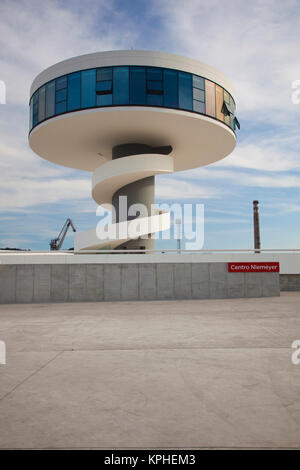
(127, 116)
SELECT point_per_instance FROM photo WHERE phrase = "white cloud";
(283, 207)
(262, 157)
(254, 43)
(23, 192)
(240, 178)
(35, 35)
(179, 189)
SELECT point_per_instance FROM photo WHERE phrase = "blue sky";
(256, 44)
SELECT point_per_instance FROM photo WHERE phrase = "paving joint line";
(31, 375)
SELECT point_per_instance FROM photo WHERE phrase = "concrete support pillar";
(139, 192)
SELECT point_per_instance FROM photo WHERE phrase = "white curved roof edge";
(131, 57)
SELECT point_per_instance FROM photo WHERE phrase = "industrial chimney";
(256, 226)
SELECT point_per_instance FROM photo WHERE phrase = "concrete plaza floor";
(173, 374)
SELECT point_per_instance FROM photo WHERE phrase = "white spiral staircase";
(108, 178)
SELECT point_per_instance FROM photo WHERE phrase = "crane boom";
(56, 243)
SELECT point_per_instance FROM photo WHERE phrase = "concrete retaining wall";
(290, 282)
(36, 283)
(289, 262)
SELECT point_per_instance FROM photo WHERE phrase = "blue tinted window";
(170, 88)
(104, 100)
(198, 82)
(88, 88)
(30, 114)
(61, 107)
(155, 100)
(35, 119)
(151, 85)
(104, 86)
(50, 99)
(121, 85)
(199, 107)
(137, 85)
(104, 74)
(42, 96)
(74, 91)
(154, 73)
(35, 108)
(61, 83)
(198, 94)
(61, 95)
(185, 90)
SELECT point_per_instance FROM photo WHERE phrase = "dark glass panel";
(198, 94)
(171, 88)
(219, 102)
(185, 91)
(226, 97)
(35, 108)
(61, 83)
(236, 123)
(61, 107)
(226, 110)
(50, 99)
(232, 104)
(104, 86)
(199, 107)
(104, 100)
(154, 73)
(232, 107)
(34, 119)
(30, 114)
(74, 91)
(88, 88)
(61, 95)
(137, 85)
(155, 100)
(198, 82)
(42, 97)
(121, 85)
(154, 85)
(210, 91)
(104, 74)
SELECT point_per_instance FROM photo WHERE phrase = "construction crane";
(56, 243)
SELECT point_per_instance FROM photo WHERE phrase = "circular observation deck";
(82, 107)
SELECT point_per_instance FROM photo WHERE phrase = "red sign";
(268, 267)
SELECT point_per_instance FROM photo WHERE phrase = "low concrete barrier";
(290, 282)
(37, 283)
